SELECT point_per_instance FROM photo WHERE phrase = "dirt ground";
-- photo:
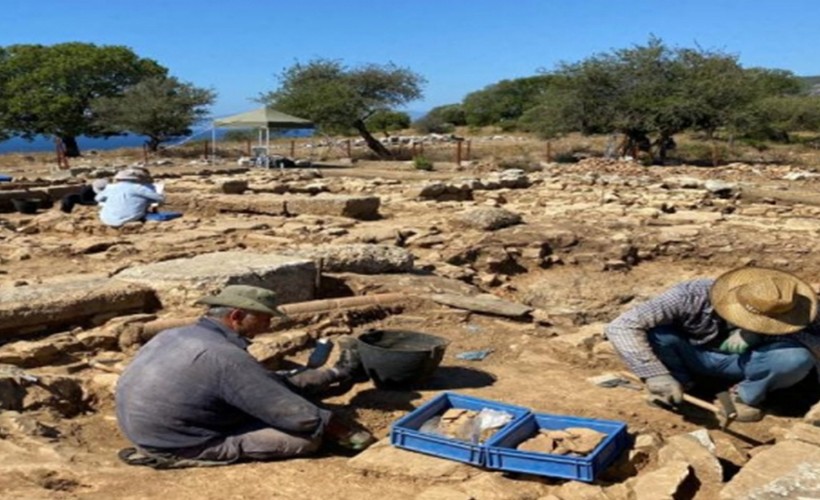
(607, 235)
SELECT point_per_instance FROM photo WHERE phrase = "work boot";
(349, 362)
(745, 413)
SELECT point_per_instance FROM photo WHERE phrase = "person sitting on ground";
(194, 395)
(129, 199)
(85, 196)
(753, 327)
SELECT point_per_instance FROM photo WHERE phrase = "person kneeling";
(194, 396)
(756, 328)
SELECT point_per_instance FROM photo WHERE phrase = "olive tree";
(338, 98)
(49, 89)
(159, 108)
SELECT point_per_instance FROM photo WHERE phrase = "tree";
(647, 93)
(386, 121)
(48, 89)
(503, 103)
(441, 119)
(158, 107)
(337, 98)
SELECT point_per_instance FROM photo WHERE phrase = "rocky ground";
(560, 249)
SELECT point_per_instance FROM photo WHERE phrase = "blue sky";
(238, 47)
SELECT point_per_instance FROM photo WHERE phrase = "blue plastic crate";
(405, 432)
(502, 455)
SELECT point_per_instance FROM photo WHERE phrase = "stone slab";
(182, 281)
(68, 302)
(360, 258)
(383, 458)
(355, 207)
(484, 303)
(789, 469)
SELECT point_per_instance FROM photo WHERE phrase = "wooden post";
(292, 148)
(469, 147)
(458, 152)
(349, 150)
(145, 154)
(549, 151)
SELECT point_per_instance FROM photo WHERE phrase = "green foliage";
(431, 124)
(159, 107)
(650, 93)
(422, 163)
(386, 121)
(505, 101)
(48, 89)
(337, 98)
(441, 120)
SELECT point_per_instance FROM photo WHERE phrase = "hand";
(739, 341)
(666, 388)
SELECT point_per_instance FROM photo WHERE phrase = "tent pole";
(213, 143)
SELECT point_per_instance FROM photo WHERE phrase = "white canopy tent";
(263, 119)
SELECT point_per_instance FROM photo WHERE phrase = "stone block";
(182, 281)
(665, 483)
(688, 449)
(360, 258)
(383, 458)
(68, 302)
(789, 469)
(355, 207)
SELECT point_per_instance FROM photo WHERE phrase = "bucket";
(400, 358)
(26, 205)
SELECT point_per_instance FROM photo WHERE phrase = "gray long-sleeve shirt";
(192, 384)
(687, 307)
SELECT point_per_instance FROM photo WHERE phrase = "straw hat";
(765, 301)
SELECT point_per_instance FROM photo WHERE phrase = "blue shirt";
(686, 306)
(190, 385)
(126, 202)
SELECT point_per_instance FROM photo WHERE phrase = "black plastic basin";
(400, 358)
(26, 205)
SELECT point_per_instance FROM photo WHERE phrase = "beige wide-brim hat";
(765, 301)
(245, 297)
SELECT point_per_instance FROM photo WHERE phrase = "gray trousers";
(256, 440)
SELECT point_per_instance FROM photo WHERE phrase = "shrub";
(422, 163)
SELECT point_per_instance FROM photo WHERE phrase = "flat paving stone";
(182, 281)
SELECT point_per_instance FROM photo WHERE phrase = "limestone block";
(182, 281)
(662, 484)
(68, 302)
(487, 218)
(355, 207)
(360, 258)
(789, 469)
(383, 458)
(688, 449)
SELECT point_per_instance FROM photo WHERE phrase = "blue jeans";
(759, 370)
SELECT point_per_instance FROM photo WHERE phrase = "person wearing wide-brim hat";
(128, 198)
(194, 396)
(753, 327)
